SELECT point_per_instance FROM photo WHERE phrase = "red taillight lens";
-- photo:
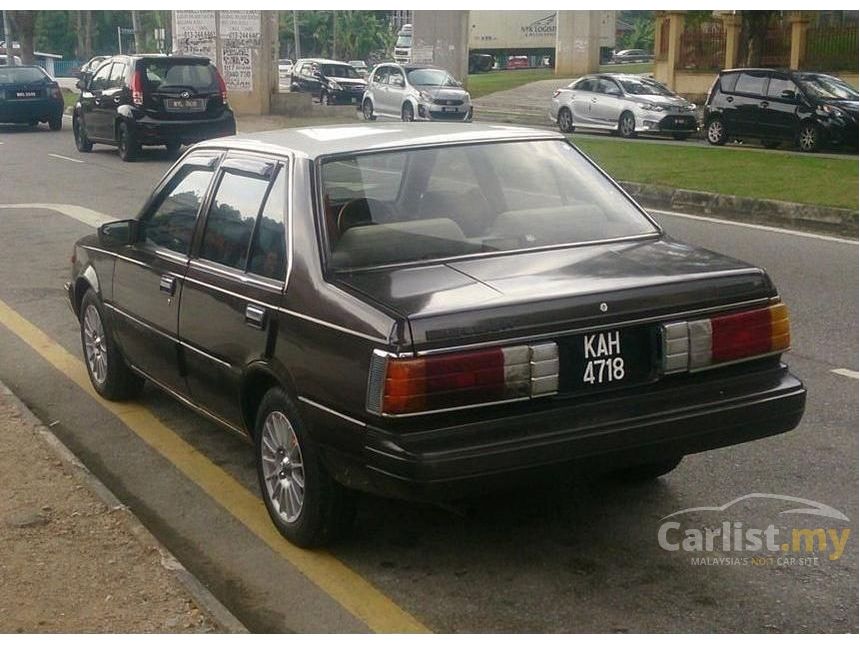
(412, 385)
(137, 88)
(56, 92)
(222, 86)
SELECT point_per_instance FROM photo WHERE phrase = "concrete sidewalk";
(71, 562)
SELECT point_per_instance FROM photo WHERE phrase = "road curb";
(196, 589)
(771, 212)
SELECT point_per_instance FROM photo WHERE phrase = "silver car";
(623, 103)
(415, 93)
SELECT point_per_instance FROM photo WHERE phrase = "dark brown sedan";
(425, 311)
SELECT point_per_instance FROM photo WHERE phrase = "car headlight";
(652, 107)
(691, 107)
(334, 86)
(831, 110)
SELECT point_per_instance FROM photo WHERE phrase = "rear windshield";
(405, 206)
(339, 71)
(22, 75)
(167, 73)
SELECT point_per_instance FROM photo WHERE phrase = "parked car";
(415, 92)
(632, 56)
(29, 95)
(360, 66)
(420, 313)
(517, 62)
(807, 109)
(623, 103)
(332, 81)
(285, 68)
(481, 63)
(85, 73)
(15, 59)
(151, 100)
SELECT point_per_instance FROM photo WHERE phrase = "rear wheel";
(647, 472)
(129, 148)
(81, 142)
(627, 125)
(110, 375)
(407, 113)
(565, 120)
(56, 123)
(716, 132)
(306, 505)
(808, 139)
(367, 110)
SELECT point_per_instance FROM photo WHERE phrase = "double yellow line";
(350, 590)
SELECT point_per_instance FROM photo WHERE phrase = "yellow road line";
(341, 583)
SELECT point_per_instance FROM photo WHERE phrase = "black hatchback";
(29, 95)
(807, 109)
(152, 100)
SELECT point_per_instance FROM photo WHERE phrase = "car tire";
(82, 143)
(565, 121)
(407, 113)
(56, 124)
(680, 136)
(646, 472)
(110, 375)
(129, 148)
(809, 138)
(367, 110)
(173, 149)
(306, 505)
(627, 125)
(716, 132)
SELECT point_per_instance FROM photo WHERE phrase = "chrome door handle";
(763, 104)
(729, 99)
(255, 316)
(167, 284)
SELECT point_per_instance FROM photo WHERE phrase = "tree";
(754, 26)
(641, 36)
(24, 25)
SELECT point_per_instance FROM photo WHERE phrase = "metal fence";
(776, 47)
(831, 48)
(68, 68)
(703, 47)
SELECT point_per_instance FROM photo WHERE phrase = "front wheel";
(82, 143)
(129, 148)
(306, 505)
(565, 120)
(367, 110)
(110, 375)
(716, 132)
(808, 138)
(407, 113)
(627, 125)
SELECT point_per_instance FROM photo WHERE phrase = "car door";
(747, 97)
(91, 103)
(607, 109)
(235, 281)
(583, 96)
(112, 97)
(396, 91)
(379, 83)
(778, 116)
(149, 275)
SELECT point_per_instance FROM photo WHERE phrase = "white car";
(285, 68)
(360, 67)
(415, 93)
(623, 103)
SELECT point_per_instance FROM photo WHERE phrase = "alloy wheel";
(628, 125)
(808, 138)
(565, 121)
(95, 345)
(367, 110)
(283, 468)
(715, 132)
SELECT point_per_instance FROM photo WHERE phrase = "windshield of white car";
(403, 41)
(402, 206)
(644, 87)
(436, 77)
(827, 87)
(339, 71)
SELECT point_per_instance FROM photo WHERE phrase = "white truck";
(403, 46)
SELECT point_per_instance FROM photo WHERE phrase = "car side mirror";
(119, 233)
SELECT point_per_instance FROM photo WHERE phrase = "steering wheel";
(360, 211)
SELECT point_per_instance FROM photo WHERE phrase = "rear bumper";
(151, 131)
(24, 111)
(616, 431)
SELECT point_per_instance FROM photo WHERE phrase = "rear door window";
(395, 79)
(269, 246)
(728, 82)
(381, 75)
(751, 83)
(231, 219)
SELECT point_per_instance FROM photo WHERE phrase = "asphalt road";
(576, 555)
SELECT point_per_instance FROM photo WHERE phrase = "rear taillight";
(222, 86)
(137, 88)
(56, 92)
(699, 344)
(399, 386)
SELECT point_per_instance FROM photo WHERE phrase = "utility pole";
(295, 34)
(7, 37)
(119, 37)
(138, 33)
(334, 35)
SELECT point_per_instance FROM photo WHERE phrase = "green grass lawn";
(70, 98)
(505, 79)
(747, 173)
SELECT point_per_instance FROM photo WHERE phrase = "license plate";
(449, 109)
(26, 95)
(679, 121)
(185, 105)
(609, 359)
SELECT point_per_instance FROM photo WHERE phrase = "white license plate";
(191, 105)
(679, 121)
(25, 95)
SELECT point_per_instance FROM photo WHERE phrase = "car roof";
(314, 142)
(324, 61)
